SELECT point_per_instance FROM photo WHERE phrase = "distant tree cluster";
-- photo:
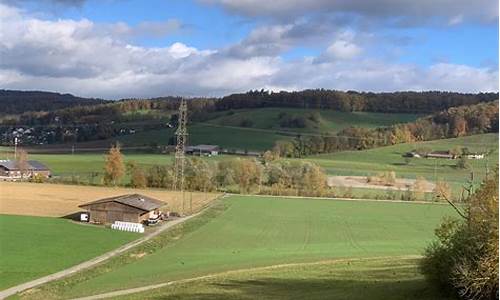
(16, 102)
(396, 102)
(453, 122)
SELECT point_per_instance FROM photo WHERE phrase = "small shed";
(134, 208)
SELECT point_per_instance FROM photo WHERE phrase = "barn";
(12, 169)
(134, 208)
(203, 150)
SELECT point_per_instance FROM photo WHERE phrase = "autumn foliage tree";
(464, 258)
(137, 175)
(114, 168)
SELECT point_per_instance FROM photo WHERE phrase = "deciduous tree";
(114, 168)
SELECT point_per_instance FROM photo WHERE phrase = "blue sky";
(131, 48)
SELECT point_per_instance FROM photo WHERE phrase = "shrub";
(464, 258)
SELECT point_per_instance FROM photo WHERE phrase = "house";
(134, 208)
(203, 150)
(441, 154)
(475, 155)
(13, 169)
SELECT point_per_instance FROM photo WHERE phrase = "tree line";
(94, 111)
(96, 119)
(395, 102)
(450, 123)
(245, 175)
(16, 102)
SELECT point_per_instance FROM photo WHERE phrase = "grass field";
(351, 279)
(373, 161)
(56, 200)
(329, 120)
(223, 128)
(31, 247)
(250, 232)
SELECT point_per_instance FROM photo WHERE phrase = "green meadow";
(351, 279)
(329, 121)
(224, 128)
(373, 161)
(32, 247)
(243, 232)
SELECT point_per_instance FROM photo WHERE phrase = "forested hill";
(15, 102)
(395, 102)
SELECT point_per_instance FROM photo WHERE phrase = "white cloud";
(77, 56)
(342, 49)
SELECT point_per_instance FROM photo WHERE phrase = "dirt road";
(401, 184)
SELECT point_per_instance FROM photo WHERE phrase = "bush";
(464, 258)
(246, 123)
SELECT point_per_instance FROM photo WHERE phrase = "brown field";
(56, 200)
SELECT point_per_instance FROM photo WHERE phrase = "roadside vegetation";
(464, 258)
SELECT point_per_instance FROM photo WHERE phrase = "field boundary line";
(339, 198)
(231, 272)
(97, 260)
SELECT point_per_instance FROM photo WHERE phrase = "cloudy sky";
(146, 48)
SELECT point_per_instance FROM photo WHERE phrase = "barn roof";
(135, 200)
(203, 148)
(36, 165)
(32, 165)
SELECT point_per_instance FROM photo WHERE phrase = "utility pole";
(15, 148)
(180, 148)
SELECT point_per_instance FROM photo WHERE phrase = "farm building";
(474, 156)
(134, 208)
(441, 154)
(203, 150)
(13, 169)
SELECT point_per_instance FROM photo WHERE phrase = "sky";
(116, 49)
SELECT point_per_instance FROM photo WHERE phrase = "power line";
(180, 148)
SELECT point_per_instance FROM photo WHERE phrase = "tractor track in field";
(231, 272)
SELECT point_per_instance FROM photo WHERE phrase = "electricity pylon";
(180, 148)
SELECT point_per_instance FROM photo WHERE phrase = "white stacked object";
(128, 226)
